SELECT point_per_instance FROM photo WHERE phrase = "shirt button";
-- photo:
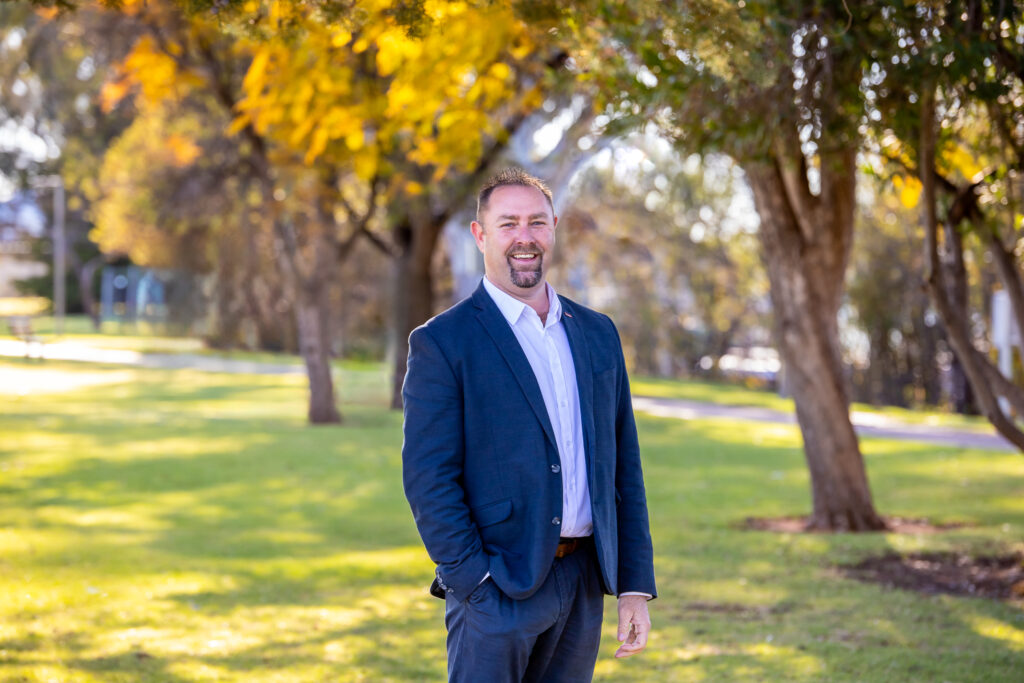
(556, 469)
(556, 521)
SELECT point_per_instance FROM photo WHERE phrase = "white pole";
(59, 257)
(1002, 326)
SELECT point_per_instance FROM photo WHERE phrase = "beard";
(525, 278)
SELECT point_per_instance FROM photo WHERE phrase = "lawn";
(184, 526)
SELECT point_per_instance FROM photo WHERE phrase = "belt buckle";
(566, 548)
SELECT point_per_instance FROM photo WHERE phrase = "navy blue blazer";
(479, 451)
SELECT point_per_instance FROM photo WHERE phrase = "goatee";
(526, 278)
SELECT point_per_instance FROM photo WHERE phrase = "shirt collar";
(512, 308)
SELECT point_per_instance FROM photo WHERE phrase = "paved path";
(868, 424)
(174, 361)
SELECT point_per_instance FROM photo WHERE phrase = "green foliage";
(971, 56)
(902, 363)
(738, 78)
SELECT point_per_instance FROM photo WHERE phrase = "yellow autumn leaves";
(953, 159)
(360, 88)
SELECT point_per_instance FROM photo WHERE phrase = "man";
(521, 461)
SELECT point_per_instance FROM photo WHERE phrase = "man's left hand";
(634, 625)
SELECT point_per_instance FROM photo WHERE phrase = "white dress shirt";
(547, 349)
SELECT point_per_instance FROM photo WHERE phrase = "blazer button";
(556, 469)
(556, 521)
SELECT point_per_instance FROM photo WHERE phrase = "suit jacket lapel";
(497, 327)
(584, 376)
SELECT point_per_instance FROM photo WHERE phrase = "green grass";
(180, 526)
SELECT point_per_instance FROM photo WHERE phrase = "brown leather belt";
(567, 546)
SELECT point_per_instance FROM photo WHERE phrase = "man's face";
(516, 238)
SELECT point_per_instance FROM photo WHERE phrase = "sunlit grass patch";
(181, 526)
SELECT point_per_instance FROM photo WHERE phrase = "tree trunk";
(925, 342)
(226, 331)
(309, 316)
(806, 243)
(414, 292)
(85, 278)
(948, 293)
(309, 287)
(261, 291)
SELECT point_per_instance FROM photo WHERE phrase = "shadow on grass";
(737, 604)
(223, 538)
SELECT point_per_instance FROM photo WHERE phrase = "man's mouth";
(525, 255)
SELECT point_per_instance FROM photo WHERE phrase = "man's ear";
(478, 235)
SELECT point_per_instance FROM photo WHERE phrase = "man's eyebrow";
(513, 217)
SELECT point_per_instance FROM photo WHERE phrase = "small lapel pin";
(568, 314)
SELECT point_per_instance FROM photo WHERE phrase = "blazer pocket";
(492, 513)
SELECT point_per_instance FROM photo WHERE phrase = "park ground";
(176, 525)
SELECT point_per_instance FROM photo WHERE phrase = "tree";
(775, 85)
(951, 121)
(341, 114)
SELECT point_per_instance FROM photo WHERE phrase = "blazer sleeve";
(432, 466)
(636, 552)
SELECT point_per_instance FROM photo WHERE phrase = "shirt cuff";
(646, 595)
(486, 576)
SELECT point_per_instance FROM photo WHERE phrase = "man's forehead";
(514, 200)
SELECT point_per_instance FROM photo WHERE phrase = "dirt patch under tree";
(799, 525)
(988, 576)
(1000, 577)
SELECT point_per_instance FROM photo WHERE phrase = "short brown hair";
(510, 176)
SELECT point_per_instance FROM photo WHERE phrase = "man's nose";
(522, 233)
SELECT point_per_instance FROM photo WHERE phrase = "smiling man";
(521, 462)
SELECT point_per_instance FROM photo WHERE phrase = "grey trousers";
(551, 637)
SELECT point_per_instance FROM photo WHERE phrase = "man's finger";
(629, 648)
(627, 615)
(636, 640)
(641, 631)
(634, 626)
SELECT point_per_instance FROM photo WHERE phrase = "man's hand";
(634, 625)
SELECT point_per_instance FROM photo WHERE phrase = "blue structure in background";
(134, 294)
